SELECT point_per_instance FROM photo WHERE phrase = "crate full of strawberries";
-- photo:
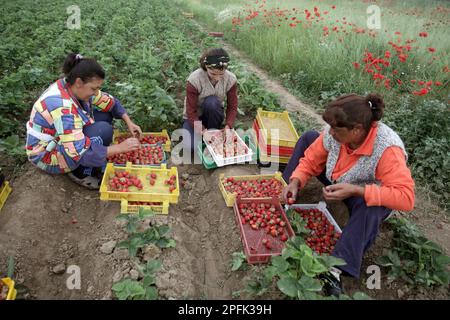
(227, 147)
(161, 138)
(323, 231)
(264, 227)
(147, 155)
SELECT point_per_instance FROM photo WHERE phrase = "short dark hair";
(76, 66)
(352, 109)
(211, 52)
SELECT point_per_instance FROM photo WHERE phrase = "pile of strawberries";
(253, 188)
(172, 182)
(225, 143)
(266, 217)
(323, 235)
(145, 155)
(122, 180)
(145, 139)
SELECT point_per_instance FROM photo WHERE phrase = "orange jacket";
(397, 186)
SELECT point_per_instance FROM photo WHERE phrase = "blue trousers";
(362, 228)
(211, 118)
(100, 133)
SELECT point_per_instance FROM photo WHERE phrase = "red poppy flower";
(423, 34)
(356, 65)
(387, 54)
(422, 92)
(325, 28)
(402, 57)
(413, 81)
(431, 49)
(400, 82)
(292, 25)
(438, 83)
(333, 7)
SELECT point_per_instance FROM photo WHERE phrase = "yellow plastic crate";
(268, 120)
(230, 198)
(127, 207)
(263, 157)
(157, 193)
(166, 146)
(4, 193)
(12, 292)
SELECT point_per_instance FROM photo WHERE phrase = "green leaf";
(309, 284)
(361, 296)
(148, 280)
(442, 260)
(152, 266)
(128, 289)
(289, 286)
(166, 243)
(237, 261)
(280, 264)
(151, 293)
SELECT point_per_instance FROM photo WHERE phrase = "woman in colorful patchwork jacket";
(361, 161)
(206, 90)
(70, 127)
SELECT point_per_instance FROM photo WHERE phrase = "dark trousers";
(362, 228)
(211, 118)
(95, 156)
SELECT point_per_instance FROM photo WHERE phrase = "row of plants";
(322, 51)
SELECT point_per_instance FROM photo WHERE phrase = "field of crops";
(317, 50)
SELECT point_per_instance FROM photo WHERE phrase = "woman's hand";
(291, 190)
(130, 144)
(134, 129)
(342, 191)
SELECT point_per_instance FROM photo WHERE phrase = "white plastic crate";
(322, 206)
(223, 161)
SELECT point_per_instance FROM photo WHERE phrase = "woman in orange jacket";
(362, 162)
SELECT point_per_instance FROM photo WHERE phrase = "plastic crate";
(230, 198)
(208, 162)
(270, 150)
(164, 161)
(223, 161)
(254, 250)
(322, 206)
(163, 133)
(263, 157)
(130, 207)
(4, 193)
(12, 292)
(266, 121)
(157, 193)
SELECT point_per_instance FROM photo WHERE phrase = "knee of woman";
(310, 135)
(106, 132)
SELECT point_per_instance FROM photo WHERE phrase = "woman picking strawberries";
(70, 127)
(206, 90)
(362, 162)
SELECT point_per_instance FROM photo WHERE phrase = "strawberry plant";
(145, 289)
(157, 235)
(239, 261)
(414, 258)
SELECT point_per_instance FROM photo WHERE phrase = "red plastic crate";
(281, 151)
(254, 250)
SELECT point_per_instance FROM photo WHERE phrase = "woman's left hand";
(135, 130)
(341, 191)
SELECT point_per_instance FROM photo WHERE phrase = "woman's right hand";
(291, 191)
(130, 144)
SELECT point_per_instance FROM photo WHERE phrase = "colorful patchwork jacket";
(55, 139)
